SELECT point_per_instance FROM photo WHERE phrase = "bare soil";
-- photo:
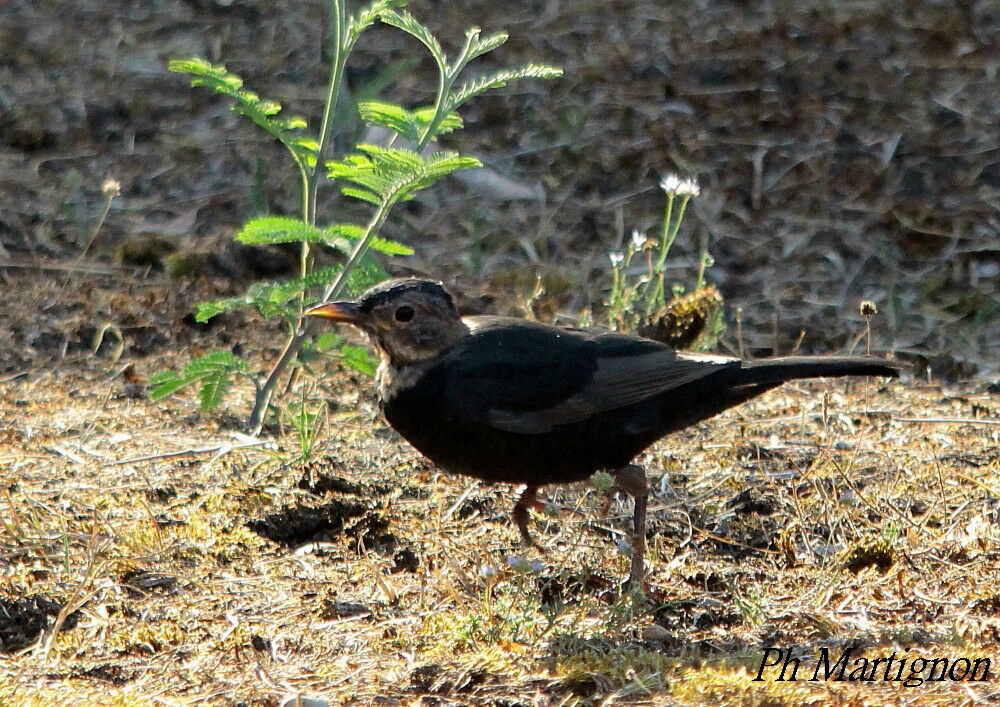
(152, 554)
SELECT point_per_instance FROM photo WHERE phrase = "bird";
(510, 400)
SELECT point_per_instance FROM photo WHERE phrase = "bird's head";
(408, 320)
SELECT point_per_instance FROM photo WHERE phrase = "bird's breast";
(391, 380)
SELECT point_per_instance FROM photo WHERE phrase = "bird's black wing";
(527, 378)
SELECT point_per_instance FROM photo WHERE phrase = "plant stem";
(700, 281)
(338, 59)
(109, 196)
(305, 252)
(294, 343)
(310, 185)
(446, 78)
(438, 107)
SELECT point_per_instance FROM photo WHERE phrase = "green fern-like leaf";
(388, 247)
(367, 15)
(245, 102)
(363, 194)
(278, 229)
(481, 45)
(212, 362)
(281, 229)
(387, 174)
(281, 292)
(206, 310)
(214, 371)
(409, 24)
(353, 232)
(269, 298)
(388, 115)
(358, 358)
(167, 383)
(449, 123)
(327, 340)
(498, 79)
(409, 124)
(431, 170)
(390, 159)
(365, 274)
(213, 388)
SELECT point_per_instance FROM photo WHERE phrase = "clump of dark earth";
(298, 525)
(23, 620)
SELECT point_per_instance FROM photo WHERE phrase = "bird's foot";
(632, 480)
(528, 501)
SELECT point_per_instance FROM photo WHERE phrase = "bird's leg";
(632, 480)
(528, 500)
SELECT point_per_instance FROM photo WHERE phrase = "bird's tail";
(774, 371)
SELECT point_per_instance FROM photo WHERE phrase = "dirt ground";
(151, 553)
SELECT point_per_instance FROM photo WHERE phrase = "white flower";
(638, 239)
(111, 188)
(616, 259)
(672, 184)
(689, 187)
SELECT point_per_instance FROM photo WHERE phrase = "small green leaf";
(409, 125)
(166, 384)
(367, 15)
(409, 24)
(449, 123)
(281, 229)
(387, 174)
(278, 229)
(390, 116)
(213, 389)
(344, 230)
(206, 310)
(214, 361)
(367, 273)
(269, 298)
(388, 247)
(261, 111)
(214, 371)
(500, 78)
(287, 289)
(358, 358)
(328, 340)
(362, 194)
(481, 45)
(354, 232)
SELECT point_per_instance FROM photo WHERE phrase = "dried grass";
(387, 583)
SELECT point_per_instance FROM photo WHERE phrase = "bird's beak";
(346, 312)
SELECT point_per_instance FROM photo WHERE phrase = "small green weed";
(639, 302)
(380, 175)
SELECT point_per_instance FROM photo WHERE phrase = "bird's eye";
(404, 314)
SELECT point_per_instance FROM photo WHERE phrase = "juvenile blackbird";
(505, 399)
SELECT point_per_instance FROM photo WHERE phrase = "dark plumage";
(504, 399)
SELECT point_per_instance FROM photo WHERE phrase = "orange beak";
(346, 312)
